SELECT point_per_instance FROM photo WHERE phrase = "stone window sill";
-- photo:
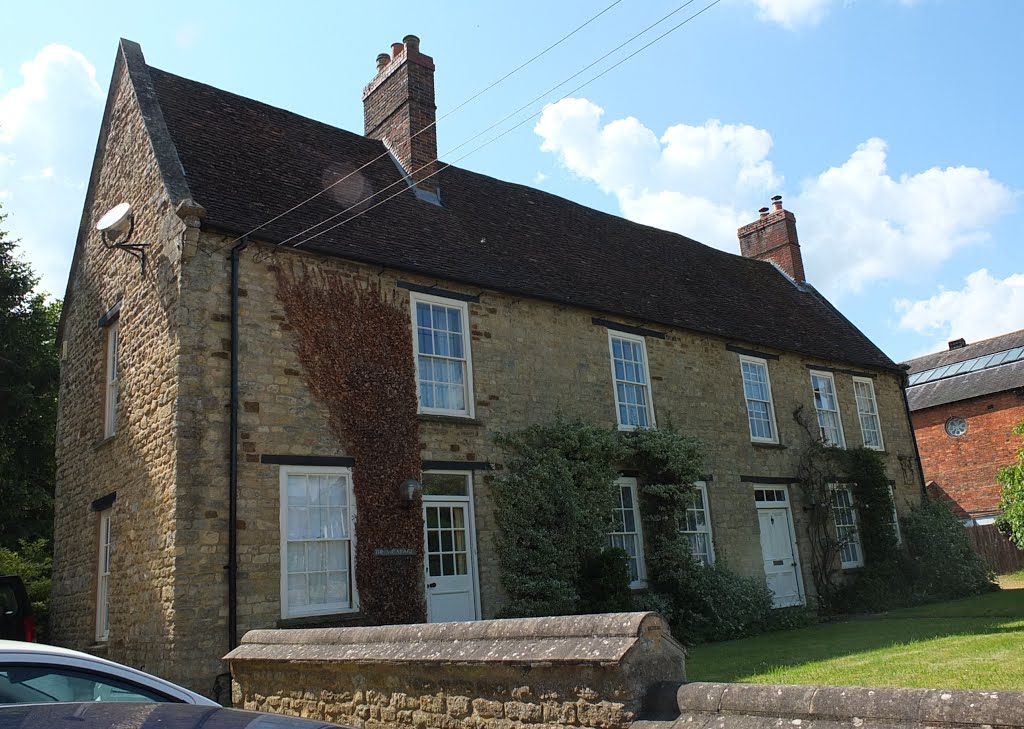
(106, 441)
(453, 419)
(337, 620)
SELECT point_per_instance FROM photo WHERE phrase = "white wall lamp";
(116, 227)
(408, 491)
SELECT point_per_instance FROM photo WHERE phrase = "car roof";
(106, 714)
(24, 650)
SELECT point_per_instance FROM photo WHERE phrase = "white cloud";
(792, 14)
(985, 307)
(689, 179)
(539, 178)
(705, 181)
(48, 127)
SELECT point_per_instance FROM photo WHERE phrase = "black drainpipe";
(904, 382)
(232, 566)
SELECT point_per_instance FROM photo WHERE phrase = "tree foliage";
(29, 379)
(1011, 502)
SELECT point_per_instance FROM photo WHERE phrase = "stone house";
(201, 491)
(963, 404)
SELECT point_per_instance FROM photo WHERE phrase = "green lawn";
(977, 643)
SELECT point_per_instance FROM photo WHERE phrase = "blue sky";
(890, 127)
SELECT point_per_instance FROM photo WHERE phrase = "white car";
(32, 673)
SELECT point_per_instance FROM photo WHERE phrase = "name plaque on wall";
(394, 552)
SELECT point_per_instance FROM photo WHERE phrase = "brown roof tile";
(245, 162)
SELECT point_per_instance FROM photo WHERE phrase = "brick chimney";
(398, 106)
(958, 343)
(772, 237)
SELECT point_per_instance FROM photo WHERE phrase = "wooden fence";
(998, 551)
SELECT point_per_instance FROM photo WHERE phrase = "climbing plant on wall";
(355, 344)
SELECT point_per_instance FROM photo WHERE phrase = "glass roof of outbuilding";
(968, 365)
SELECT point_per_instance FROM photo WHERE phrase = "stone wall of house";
(139, 461)
(519, 380)
(531, 360)
(964, 469)
(600, 671)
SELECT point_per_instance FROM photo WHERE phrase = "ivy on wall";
(938, 562)
(355, 344)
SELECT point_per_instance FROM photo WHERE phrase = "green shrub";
(32, 562)
(718, 604)
(1011, 502)
(942, 564)
(554, 501)
(604, 582)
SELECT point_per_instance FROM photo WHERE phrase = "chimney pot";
(773, 238)
(398, 109)
(958, 343)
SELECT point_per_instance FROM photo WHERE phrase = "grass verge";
(977, 643)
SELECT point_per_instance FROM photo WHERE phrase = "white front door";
(450, 569)
(778, 546)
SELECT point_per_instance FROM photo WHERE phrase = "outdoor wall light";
(408, 490)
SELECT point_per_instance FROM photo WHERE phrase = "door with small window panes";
(449, 548)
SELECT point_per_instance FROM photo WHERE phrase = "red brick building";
(964, 403)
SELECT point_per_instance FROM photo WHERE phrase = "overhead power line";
(434, 123)
(402, 181)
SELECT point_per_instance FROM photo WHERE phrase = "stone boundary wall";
(599, 671)
(753, 706)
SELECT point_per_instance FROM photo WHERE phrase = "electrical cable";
(434, 123)
(493, 126)
(510, 129)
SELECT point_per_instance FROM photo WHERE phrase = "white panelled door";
(778, 547)
(450, 560)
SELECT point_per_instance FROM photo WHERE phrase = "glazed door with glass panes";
(448, 552)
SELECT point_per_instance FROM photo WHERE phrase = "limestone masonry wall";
(139, 461)
(599, 671)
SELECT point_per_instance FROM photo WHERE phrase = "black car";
(121, 715)
(16, 619)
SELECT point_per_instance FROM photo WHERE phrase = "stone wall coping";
(577, 639)
(843, 704)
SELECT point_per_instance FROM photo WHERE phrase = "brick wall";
(964, 469)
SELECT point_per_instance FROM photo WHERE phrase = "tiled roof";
(245, 162)
(976, 349)
(962, 387)
(975, 383)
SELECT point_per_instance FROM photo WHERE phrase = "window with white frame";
(757, 390)
(867, 412)
(697, 527)
(626, 533)
(111, 389)
(444, 375)
(827, 407)
(632, 387)
(317, 541)
(103, 578)
(845, 516)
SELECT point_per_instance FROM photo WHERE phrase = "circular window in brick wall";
(956, 427)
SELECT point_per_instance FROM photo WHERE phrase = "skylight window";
(970, 365)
